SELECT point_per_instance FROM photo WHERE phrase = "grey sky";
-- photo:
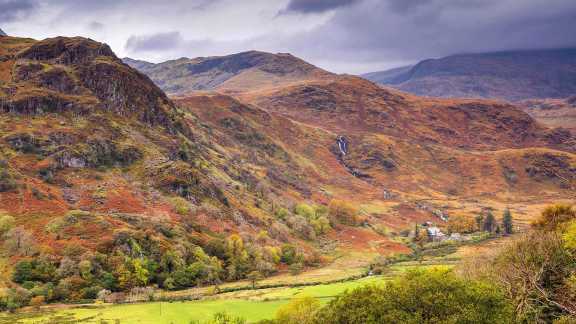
(351, 36)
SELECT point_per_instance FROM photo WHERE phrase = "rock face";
(510, 75)
(240, 71)
(78, 75)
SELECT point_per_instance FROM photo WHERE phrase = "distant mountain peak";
(512, 75)
(241, 71)
(2, 33)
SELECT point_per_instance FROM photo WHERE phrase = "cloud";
(352, 36)
(315, 6)
(96, 26)
(381, 32)
(15, 9)
(155, 42)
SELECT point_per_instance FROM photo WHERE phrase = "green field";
(250, 304)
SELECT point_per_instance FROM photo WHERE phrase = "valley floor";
(251, 304)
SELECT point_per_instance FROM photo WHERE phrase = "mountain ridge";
(230, 72)
(101, 167)
(509, 75)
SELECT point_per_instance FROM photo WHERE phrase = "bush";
(180, 205)
(554, 216)
(290, 254)
(537, 272)
(435, 296)
(304, 210)
(298, 311)
(223, 318)
(282, 213)
(37, 301)
(11, 299)
(6, 223)
(343, 212)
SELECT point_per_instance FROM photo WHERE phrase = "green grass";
(253, 305)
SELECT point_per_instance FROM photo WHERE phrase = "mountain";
(232, 72)
(108, 183)
(2, 33)
(388, 76)
(509, 75)
(431, 147)
(552, 112)
(99, 166)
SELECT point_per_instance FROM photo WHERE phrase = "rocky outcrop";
(80, 75)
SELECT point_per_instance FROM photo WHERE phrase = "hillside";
(552, 112)
(435, 148)
(232, 72)
(106, 183)
(100, 168)
(510, 75)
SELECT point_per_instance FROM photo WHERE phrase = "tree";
(290, 254)
(554, 216)
(22, 272)
(461, 224)
(6, 223)
(298, 311)
(237, 257)
(343, 212)
(479, 222)
(296, 268)
(433, 296)
(20, 242)
(254, 277)
(507, 222)
(304, 210)
(321, 225)
(489, 223)
(537, 273)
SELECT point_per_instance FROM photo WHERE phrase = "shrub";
(20, 242)
(461, 224)
(282, 213)
(223, 318)
(304, 210)
(289, 254)
(298, 311)
(343, 212)
(180, 205)
(536, 271)
(434, 296)
(554, 216)
(7, 182)
(37, 301)
(296, 268)
(6, 223)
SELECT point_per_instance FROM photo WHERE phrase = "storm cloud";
(352, 36)
(315, 6)
(155, 42)
(15, 9)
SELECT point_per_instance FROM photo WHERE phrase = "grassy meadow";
(251, 304)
